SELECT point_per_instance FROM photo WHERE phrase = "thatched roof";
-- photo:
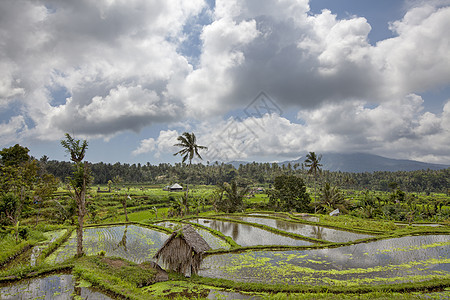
(190, 236)
(176, 186)
(183, 250)
(194, 239)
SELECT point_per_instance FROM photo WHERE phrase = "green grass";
(124, 283)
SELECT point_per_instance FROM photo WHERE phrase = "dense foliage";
(254, 173)
(289, 193)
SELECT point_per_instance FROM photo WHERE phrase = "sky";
(255, 80)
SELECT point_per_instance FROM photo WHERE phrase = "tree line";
(252, 174)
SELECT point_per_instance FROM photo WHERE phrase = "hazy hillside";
(361, 162)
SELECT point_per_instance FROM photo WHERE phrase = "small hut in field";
(176, 188)
(183, 251)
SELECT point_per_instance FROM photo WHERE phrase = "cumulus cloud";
(163, 144)
(129, 108)
(145, 146)
(399, 126)
(115, 59)
(417, 59)
(306, 60)
(99, 68)
(11, 131)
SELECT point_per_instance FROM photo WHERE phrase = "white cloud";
(396, 129)
(11, 132)
(162, 145)
(129, 108)
(120, 68)
(145, 146)
(417, 59)
(96, 51)
(206, 87)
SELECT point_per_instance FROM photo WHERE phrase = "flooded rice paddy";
(29, 257)
(317, 232)
(412, 258)
(396, 260)
(247, 235)
(169, 224)
(133, 243)
(58, 287)
(213, 241)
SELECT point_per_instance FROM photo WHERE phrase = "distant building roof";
(176, 186)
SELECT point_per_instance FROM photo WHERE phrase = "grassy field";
(147, 204)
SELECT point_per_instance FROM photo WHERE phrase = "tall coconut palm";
(313, 163)
(188, 142)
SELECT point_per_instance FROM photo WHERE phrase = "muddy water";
(59, 287)
(317, 232)
(382, 262)
(246, 235)
(133, 243)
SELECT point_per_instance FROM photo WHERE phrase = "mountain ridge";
(360, 163)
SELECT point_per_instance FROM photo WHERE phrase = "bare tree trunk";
(80, 236)
(81, 210)
(81, 202)
(185, 201)
(124, 203)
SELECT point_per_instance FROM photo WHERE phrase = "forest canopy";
(255, 174)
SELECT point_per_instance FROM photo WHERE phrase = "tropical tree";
(331, 198)
(188, 143)
(46, 186)
(232, 199)
(79, 182)
(18, 175)
(176, 207)
(312, 162)
(289, 193)
(123, 200)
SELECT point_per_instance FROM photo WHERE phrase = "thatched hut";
(176, 188)
(183, 250)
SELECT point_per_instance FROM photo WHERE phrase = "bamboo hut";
(183, 250)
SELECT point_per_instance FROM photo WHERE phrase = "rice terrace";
(213, 231)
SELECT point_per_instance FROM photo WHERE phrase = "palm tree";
(313, 163)
(188, 142)
(232, 201)
(332, 198)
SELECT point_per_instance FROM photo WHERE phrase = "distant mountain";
(236, 163)
(362, 162)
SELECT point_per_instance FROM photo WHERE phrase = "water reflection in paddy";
(246, 235)
(169, 224)
(29, 257)
(61, 286)
(381, 262)
(213, 241)
(133, 243)
(317, 232)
